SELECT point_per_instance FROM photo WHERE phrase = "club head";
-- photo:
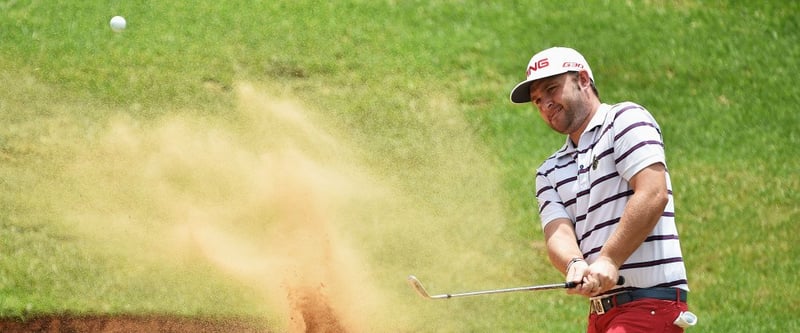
(414, 282)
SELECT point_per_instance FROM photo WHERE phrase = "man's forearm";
(562, 245)
(641, 215)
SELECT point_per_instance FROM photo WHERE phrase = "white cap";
(553, 61)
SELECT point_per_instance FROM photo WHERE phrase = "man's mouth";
(555, 113)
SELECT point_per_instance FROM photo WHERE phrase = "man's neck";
(575, 137)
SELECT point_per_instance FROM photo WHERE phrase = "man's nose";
(546, 105)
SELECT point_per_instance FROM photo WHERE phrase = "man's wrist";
(609, 260)
(573, 261)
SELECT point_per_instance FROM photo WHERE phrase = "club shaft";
(417, 285)
(506, 290)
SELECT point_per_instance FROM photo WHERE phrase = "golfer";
(605, 199)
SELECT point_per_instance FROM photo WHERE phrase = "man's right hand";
(576, 272)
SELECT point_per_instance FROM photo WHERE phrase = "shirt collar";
(598, 118)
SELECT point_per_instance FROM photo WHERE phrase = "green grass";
(399, 135)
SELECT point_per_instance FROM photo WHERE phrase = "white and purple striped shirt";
(589, 186)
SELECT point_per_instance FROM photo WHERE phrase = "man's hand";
(602, 274)
(594, 279)
(576, 272)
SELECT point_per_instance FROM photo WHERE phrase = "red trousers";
(645, 316)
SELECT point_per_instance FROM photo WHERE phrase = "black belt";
(602, 305)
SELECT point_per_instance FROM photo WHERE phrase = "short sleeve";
(637, 141)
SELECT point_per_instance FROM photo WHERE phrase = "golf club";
(424, 293)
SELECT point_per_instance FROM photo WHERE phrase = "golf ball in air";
(117, 23)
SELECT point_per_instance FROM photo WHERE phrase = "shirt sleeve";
(551, 206)
(637, 140)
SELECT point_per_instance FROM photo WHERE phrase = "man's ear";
(584, 80)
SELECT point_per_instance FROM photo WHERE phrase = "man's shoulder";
(626, 105)
(627, 113)
(627, 108)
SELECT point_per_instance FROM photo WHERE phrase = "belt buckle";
(597, 305)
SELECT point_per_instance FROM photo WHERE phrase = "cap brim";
(522, 92)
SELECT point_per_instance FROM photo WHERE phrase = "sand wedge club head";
(414, 282)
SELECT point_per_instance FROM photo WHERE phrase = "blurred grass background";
(421, 89)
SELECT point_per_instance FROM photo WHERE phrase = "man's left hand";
(602, 276)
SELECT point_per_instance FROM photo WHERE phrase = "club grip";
(570, 285)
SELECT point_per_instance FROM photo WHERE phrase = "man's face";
(560, 102)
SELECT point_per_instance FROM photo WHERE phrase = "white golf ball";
(117, 23)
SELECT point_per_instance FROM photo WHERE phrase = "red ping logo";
(542, 63)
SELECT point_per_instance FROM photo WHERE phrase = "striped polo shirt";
(589, 185)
